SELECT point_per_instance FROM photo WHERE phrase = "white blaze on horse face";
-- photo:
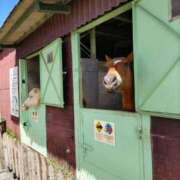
(112, 80)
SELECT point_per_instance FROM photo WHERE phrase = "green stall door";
(115, 154)
(157, 57)
(32, 121)
(52, 74)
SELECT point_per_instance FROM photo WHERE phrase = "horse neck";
(127, 89)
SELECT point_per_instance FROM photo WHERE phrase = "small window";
(175, 8)
(33, 72)
(111, 40)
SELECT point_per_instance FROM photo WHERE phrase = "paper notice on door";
(104, 132)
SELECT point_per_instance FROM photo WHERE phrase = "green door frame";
(77, 90)
(23, 129)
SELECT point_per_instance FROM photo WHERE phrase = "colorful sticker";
(104, 132)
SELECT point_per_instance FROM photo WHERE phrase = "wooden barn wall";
(7, 60)
(166, 148)
(82, 12)
(60, 121)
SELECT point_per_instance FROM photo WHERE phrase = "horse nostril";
(104, 82)
(114, 79)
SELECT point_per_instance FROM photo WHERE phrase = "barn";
(59, 47)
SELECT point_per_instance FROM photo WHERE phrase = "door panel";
(32, 121)
(52, 74)
(156, 49)
(115, 160)
(33, 129)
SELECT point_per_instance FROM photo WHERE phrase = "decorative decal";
(34, 116)
(50, 57)
(99, 127)
(104, 132)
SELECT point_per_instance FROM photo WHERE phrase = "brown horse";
(119, 77)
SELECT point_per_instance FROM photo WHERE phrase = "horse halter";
(117, 62)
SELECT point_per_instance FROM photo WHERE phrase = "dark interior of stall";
(175, 8)
(112, 38)
(33, 73)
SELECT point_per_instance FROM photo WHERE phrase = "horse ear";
(129, 58)
(108, 58)
(109, 61)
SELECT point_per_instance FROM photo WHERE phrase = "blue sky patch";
(6, 6)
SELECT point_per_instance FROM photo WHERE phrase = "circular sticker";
(108, 128)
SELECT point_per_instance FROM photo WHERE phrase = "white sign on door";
(14, 98)
(104, 132)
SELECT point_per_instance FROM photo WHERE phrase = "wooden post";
(93, 43)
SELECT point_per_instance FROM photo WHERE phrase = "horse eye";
(105, 82)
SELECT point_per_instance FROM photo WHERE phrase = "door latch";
(140, 133)
(87, 148)
(25, 124)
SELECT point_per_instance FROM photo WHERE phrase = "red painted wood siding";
(60, 121)
(166, 148)
(7, 60)
(82, 12)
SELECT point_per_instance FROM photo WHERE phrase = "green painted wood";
(122, 161)
(75, 44)
(156, 49)
(130, 158)
(146, 146)
(51, 74)
(23, 80)
(33, 131)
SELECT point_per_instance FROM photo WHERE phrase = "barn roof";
(27, 16)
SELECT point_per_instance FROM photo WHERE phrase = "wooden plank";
(5, 151)
(1, 153)
(38, 164)
(44, 168)
(51, 175)
(27, 163)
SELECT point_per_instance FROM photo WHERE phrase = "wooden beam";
(111, 35)
(123, 19)
(2, 46)
(19, 22)
(93, 43)
(52, 8)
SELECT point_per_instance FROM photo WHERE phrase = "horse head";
(116, 72)
(33, 99)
